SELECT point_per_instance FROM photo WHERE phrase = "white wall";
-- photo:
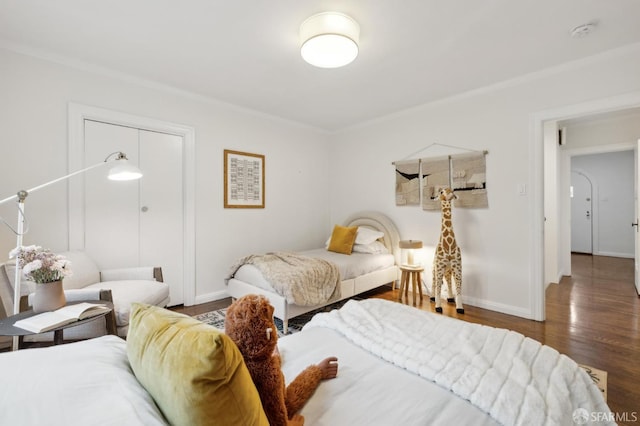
(311, 186)
(552, 261)
(33, 118)
(615, 129)
(497, 246)
(613, 201)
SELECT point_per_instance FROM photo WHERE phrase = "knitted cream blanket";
(515, 379)
(302, 280)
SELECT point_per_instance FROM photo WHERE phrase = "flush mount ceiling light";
(329, 40)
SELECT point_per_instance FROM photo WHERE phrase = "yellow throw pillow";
(193, 371)
(342, 239)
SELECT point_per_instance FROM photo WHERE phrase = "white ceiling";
(246, 52)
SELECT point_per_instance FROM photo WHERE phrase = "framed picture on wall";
(243, 180)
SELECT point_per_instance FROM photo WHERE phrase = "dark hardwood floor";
(202, 308)
(591, 316)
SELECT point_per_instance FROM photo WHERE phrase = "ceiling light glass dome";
(329, 40)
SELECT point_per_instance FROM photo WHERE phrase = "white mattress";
(350, 266)
(369, 391)
(84, 383)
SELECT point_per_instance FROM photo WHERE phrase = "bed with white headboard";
(365, 269)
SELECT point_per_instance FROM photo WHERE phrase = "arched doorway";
(581, 193)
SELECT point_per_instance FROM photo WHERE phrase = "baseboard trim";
(614, 254)
(498, 307)
(211, 297)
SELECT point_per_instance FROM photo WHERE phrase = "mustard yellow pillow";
(342, 239)
(193, 371)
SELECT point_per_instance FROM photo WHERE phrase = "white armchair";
(120, 286)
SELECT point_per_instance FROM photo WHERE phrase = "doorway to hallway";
(581, 193)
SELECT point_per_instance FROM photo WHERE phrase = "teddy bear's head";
(249, 323)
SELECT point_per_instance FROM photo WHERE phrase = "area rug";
(216, 318)
(599, 377)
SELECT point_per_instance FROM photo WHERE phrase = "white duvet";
(302, 280)
(350, 266)
(516, 380)
(84, 383)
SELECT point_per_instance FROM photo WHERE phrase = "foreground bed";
(398, 365)
(410, 367)
(360, 272)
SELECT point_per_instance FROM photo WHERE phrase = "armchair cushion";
(126, 292)
(140, 273)
(84, 270)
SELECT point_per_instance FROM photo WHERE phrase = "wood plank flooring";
(592, 316)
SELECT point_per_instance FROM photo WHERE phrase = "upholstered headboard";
(379, 222)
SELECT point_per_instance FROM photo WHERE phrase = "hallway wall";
(613, 201)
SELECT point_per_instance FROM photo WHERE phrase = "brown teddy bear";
(249, 323)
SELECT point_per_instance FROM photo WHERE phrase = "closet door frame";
(77, 114)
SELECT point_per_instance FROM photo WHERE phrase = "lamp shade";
(410, 244)
(329, 40)
(124, 171)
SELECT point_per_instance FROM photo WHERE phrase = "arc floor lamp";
(121, 171)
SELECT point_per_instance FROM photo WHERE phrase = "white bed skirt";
(285, 311)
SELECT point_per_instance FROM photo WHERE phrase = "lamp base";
(411, 266)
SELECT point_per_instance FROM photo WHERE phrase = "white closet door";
(141, 222)
(161, 208)
(111, 208)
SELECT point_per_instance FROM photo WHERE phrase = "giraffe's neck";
(446, 228)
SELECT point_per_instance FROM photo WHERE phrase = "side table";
(410, 275)
(7, 327)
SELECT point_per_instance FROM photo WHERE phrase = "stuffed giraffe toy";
(447, 261)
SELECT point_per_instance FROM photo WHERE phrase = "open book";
(66, 315)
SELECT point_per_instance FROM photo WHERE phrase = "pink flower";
(40, 265)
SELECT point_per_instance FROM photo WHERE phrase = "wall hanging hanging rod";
(485, 152)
